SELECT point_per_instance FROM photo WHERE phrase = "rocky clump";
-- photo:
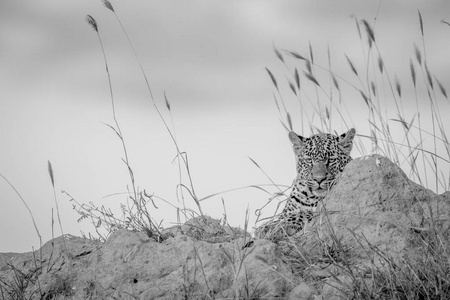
(130, 265)
(374, 218)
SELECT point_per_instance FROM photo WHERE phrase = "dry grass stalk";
(274, 81)
(311, 78)
(278, 53)
(352, 66)
(369, 30)
(297, 78)
(50, 172)
(413, 72)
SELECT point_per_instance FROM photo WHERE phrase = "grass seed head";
(291, 85)
(418, 54)
(311, 53)
(351, 65)
(91, 21)
(108, 5)
(308, 66)
(274, 81)
(413, 72)
(167, 102)
(289, 120)
(441, 87)
(369, 30)
(296, 55)
(380, 64)
(374, 91)
(297, 78)
(430, 79)
(335, 82)
(311, 78)
(365, 98)
(421, 22)
(50, 172)
(278, 53)
(398, 87)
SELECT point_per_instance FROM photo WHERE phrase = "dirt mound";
(375, 215)
(130, 265)
(376, 204)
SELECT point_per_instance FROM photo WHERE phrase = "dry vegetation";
(423, 152)
(424, 278)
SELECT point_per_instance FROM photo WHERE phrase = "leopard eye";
(307, 159)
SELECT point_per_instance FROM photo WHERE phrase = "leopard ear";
(345, 141)
(298, 143)
(296, 139)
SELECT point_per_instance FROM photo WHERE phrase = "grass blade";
(380, 64)
(374, 91)
(297, 78)
(26, 205)
(311, 78)
(351, 65)
(369, 30)
(418, 54)
(430, 79)
(291, 85)
(397, 86)
(167, 101)
(357, 26)
(413, 72)
(296, 55)
(289, 120)
(277, 53)
(441, 87)
(421, 22)
(50, 172)
(365, 98)
(308, 66)
(335, 82)
(311, 53)
(274, 81)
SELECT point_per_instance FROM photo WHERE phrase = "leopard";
(320, 159)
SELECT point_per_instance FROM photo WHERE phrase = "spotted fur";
(319, 160)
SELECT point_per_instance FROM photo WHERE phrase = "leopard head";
(321, 157)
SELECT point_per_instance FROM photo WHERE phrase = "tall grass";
(422, 148)
(182, 156)
(136, 215)
(416, 141)
(27, 207)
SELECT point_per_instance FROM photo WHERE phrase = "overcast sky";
(210, 58)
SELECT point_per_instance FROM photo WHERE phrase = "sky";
(209, 58)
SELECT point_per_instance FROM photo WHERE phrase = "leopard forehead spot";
(321, 146)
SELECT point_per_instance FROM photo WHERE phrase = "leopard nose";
(319, 172)
(319, 180)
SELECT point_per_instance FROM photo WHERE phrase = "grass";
(379, 89)
(422, 150)
(424, 277)
(136, 214)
